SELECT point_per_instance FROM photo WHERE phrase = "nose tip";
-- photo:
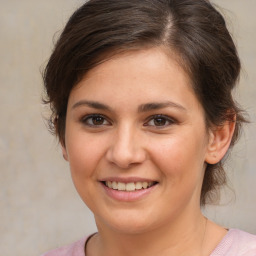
(125, 157)
(126, 151)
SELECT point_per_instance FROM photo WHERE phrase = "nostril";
(126, 148)
(125, 158)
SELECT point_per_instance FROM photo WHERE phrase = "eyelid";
(87, 117)
(170, 120)
(167, 118)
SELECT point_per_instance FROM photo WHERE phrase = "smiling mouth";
(130, 186)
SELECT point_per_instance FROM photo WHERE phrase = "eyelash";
(163, 118)
(88, 121)
(85, 120)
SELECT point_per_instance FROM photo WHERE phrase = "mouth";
(129, 186)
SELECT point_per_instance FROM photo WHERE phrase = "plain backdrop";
(39, 207)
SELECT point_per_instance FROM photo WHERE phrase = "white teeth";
(144, 184)
(120, 186)
(138, 185)
(131, 186)
(150, 184)
(114, 184)
(109, 184)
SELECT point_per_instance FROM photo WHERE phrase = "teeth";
(109, 184)
(131, 186)
(144, 184)
(120, 186)
(114, 184)
(138, 185)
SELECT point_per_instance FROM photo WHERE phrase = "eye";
(95, 120)
(159, 121)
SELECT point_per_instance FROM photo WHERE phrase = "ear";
(61, 139)
(219, 141)
(64, 152)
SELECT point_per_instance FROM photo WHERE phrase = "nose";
(126, 148)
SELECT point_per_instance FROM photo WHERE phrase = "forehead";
(135, 63)
(149, 75)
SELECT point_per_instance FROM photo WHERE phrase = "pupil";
(97, 120)
(159, 121)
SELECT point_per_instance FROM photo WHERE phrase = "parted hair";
(194, 30)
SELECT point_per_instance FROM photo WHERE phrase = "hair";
(192, 29)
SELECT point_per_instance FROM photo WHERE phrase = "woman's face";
(136, 142)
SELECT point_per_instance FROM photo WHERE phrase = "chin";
(129, 223)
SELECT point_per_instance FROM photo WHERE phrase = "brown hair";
(193, 29)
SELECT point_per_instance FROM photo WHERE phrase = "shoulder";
(74, 249)
(236, 243)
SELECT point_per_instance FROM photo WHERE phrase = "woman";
(140, 93)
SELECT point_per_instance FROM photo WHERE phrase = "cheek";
(179, 155)
(182, 169)
(84, 153)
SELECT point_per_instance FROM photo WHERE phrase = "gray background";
(39, 207)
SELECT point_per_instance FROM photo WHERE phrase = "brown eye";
(95, 120)
(159, 121)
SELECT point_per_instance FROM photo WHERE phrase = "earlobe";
(219, 141)
(64, 152)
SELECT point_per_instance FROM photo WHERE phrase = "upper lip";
(127, 179)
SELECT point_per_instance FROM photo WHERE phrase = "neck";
(183, 236)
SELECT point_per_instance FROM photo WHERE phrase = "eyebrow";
(92, 104)
(159, 105)
(142, 108)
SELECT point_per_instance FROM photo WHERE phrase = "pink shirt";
(234, 243)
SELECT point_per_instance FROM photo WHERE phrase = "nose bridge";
(126, 147)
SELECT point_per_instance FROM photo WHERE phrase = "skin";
(127, 140)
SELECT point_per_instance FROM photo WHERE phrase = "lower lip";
(128, 196)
